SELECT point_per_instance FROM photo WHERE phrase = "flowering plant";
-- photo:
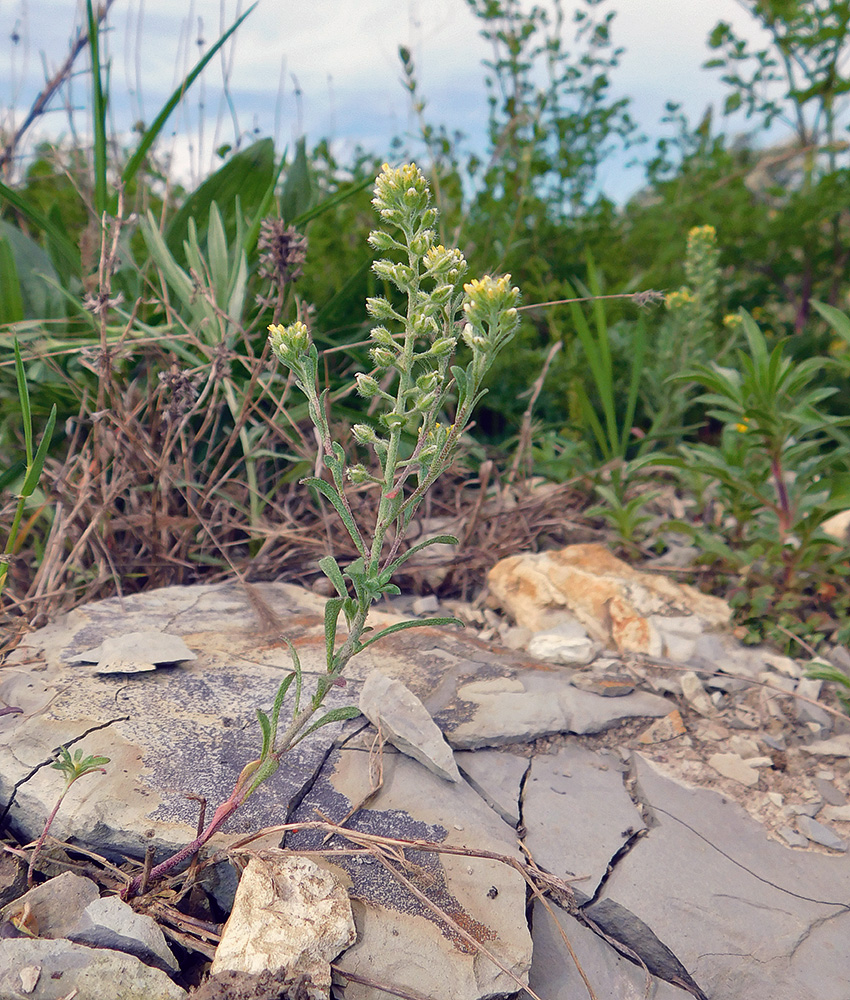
(415, 380)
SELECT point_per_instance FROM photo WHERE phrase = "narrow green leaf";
(401, 626)
(34, 472)
(266, 728)
(278, 701)
(838, 320)
(436, 540)
(296, 664)
(333, 606)
(334, 715)
(330, 567)
(158, 124)
(11, 301)
(328, 491)
(24, 399)
(98, 112)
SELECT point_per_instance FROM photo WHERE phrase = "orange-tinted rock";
(611, 599)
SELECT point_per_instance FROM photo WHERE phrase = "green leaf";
(246, 175)
(11, 301)
(24, 399)
(297, 188)
(296, 664)
(839, 322)
(34, 472)
(401, 626)
(334, 715)
(328, 491)
(333, 607)
(437, 539)
(63, 250)
(266, 728)
(278, 702)
(150, 136)
(330, 567)
(98, 112)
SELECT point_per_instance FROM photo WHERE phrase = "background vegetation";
(681, 369)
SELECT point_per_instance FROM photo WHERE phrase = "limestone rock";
(497, 777)
(70, 906)
(566, 643)
(73, 970)
(137, 652)
(820, 834)
(405, 722)
(400, 940)
(290, 915)
(613, 601)
(577, 814)
(704, 855)
(730, 765)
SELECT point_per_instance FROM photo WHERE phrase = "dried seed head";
(283, 251)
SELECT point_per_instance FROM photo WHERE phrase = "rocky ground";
(614, 800)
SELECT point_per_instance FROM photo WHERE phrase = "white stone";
(288, 914)
(730, 765)
(696, 695)
(566, 643)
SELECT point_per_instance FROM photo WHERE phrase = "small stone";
(840, 814)
(289, 914)
(778, 681)
(606, 685)
(782, 664)
(744, 746)
(820, 834)
(791, 837)
(760, 761)
(774, 742)
(808, 687)
(730, 765)
(428, 604)
(137, 652)
(827, 775)
(407, 724)
(696, 695)
(776, 798)
(809, 809)
(516, 637)
(830, 793)
(662, 730)
(836, 746)
(565, 643)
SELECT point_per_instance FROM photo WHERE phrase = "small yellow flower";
(744, 426)
(732, 320)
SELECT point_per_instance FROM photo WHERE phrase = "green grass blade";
(297, 188)
(11, 301)
(34, 473)
(148, 139)
(98, 112)
(24, 398)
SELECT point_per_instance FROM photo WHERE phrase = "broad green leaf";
(246, 175)
(11, 302)
(297, 188)
(32, 285)
(60, 245)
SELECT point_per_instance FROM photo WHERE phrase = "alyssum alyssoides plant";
(415, 349)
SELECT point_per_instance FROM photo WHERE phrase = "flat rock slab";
(555, 976)
(745, 915)
(400, 940)
(189, 729)
(578, 815)
(66, 969)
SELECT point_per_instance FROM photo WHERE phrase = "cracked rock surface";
(681, 876)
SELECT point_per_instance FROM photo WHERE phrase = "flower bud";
(366, 385)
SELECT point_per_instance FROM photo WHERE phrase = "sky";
(330, 68)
